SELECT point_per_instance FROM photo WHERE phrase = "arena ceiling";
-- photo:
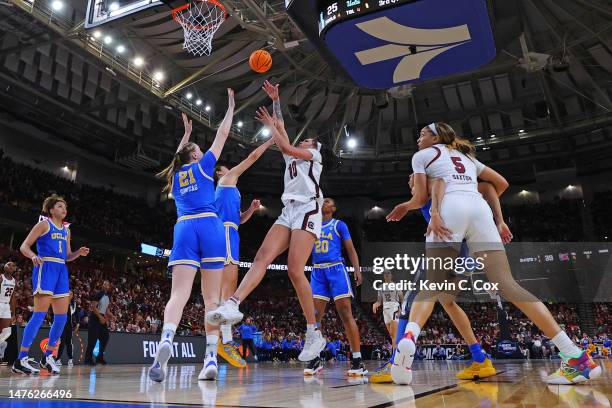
(549, 89)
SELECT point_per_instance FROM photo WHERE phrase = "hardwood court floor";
(282, 385)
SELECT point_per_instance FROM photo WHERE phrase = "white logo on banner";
(419, 46)
(185, 351)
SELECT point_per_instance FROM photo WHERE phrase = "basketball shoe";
(357, 368)
(210, 369)
(314, 367)
(23, 367)
(382, 375)
(313, 345)
(157, 371)
(230, 354)
(227, 313)
(574, 370)
(48, 363)
(401, 370)
(477, 370)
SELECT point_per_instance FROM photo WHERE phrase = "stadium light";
(97, 34)
(265, 132)
(524, 192)
(57, 5)
(138, 61)
(158, 76)
(188, 95)
(239, 124)
(108, 39)
(521, 131)
(199, 102)
(570, 187)
(114, 6)
(66, 169)
(479, 138)
(207, 108)
(352, 143)
(120, 49)
(376, 208)
(492, 136)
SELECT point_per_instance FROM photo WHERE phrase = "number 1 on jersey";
(60, 246)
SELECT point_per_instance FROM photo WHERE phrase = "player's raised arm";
(224, 128)
(272, 91)
(280, 136)
(188, 128)
(232, 176)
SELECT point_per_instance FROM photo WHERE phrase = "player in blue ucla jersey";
(49, 281)
(227, 202)
(330, 280)
(199, 240)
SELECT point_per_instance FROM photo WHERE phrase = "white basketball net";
(200, 22)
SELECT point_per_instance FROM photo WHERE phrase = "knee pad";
(5, 334)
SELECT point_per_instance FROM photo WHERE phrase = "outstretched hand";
(264, 117)
(187, 123)
(271, 90)
(398, 212)
(230, 98)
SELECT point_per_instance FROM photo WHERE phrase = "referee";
(72, 324)
(98, 324)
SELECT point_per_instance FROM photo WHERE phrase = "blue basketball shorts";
(330, 281)
(232, 242)
(51, 278)
(199, 241)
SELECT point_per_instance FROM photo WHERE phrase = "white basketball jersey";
(302, 178)
(6, 289)
(459, 171)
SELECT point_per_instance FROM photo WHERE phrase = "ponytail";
(180, 158)
(447, 136)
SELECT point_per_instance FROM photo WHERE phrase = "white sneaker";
(401, 370)
(209, 371)
(157, 371)
(70, 363)
(23, 366)
(227, 313)
(226, 333)
(58, 362)
(313, 345)
(49, 363)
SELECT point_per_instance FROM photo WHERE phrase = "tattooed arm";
(272, 91)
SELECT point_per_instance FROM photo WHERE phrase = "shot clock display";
(332, 12)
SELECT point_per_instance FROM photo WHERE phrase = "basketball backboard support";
(100, 12)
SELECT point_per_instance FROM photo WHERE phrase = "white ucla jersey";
(6, 289)
(302, 178)
(459, 171)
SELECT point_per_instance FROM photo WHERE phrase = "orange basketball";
(260, 61)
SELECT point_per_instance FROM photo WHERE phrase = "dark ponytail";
(330, 160)
(180, 158)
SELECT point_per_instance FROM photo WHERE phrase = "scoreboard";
(333, 12)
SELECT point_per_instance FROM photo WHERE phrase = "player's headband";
(433, 128)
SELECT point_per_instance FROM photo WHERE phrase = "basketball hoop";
(200, 20)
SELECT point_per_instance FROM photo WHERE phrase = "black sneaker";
(48, 363)
(89, 362)
(100, 360)
(357, 368)
(23, 367)
(314, 367)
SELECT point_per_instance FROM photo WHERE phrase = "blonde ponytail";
(180, 158)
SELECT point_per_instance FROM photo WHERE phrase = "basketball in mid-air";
(260, 61)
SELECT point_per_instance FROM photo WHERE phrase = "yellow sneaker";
(230, 354)
(382, 375)
(477, 370)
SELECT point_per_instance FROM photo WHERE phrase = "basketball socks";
(59, 321)
(477, 353)
(235, 300)
(566, 345)
(211, 344)
(401, 329)
(415, 329)
(311, 328)
(30, 332)
(168, 332)
(356, 355)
